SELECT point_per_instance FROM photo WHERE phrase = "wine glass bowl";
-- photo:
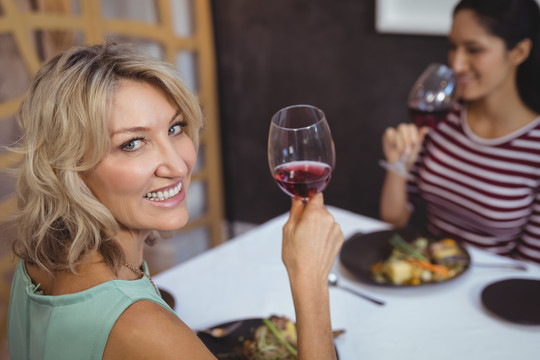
(432, 96)
(301, 153)
(430, 100)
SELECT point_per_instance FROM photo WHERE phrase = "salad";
(420, 262)
(275, 339)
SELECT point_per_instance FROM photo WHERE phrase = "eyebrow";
(139, 129)
(450, 40)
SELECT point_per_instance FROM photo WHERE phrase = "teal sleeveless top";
(73, 326)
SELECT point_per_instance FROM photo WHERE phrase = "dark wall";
(275, 53)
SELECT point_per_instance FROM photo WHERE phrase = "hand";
(311, 241)
(406, 140)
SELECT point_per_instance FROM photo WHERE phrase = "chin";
(175, 223)
(469, 96)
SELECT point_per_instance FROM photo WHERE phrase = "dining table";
(245, 278)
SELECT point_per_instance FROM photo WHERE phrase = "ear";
(521, 51)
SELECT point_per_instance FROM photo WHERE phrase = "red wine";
(427, 118)
(302, 178)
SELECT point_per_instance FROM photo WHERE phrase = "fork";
(219, 332)
(333, 281)
(513, 266)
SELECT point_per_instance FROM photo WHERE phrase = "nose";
(457, 59)
(170, 162)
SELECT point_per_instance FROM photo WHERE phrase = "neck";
(90, 272)
(132, 243)
(500, 113)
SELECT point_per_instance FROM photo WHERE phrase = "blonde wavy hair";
(63, 119)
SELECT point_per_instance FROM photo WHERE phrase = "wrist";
(308, 287)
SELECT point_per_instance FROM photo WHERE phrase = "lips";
(464, 80)
(164, 194)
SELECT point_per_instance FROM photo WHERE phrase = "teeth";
(164, 195)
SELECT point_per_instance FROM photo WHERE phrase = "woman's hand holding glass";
(311, 240)
(401, 146)
(301, 157)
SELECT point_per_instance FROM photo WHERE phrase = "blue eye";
(176, 129)
(132, 144)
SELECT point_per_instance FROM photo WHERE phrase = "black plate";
(168, 297)
(361, 251)
(515, 300)
(226, 347)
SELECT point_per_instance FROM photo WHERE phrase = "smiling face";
(481, 61)
(143, 179)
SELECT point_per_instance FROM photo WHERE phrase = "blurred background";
(356, 60)
(271, 54)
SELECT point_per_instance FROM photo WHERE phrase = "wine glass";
(430, 99)
(301, 151)
(432, 96)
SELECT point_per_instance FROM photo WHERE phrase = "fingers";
(311, 240)
(392, 145)
(337, 234)
(391, 137)
(409, 135)
(422, 132)
(404, 135)
(297, 208)
(316, 200)
(404, 139)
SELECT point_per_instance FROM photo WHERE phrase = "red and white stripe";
(482, 191)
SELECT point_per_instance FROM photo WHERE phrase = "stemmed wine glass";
(301, 151)
(430, 99)
(432, 96)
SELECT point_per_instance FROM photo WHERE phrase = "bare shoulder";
(146, 330)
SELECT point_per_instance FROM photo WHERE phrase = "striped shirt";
(481, 191)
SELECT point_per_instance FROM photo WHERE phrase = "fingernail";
(407, 149)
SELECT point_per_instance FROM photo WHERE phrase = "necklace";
(141, 273)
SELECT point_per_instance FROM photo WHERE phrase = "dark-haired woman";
(478, 171)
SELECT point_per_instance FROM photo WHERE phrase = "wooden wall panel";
(54, 25)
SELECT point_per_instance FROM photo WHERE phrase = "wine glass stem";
(399, 167)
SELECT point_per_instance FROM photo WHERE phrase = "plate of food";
(404, 258)
(254, 339)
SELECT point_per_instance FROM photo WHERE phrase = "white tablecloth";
(245, 278)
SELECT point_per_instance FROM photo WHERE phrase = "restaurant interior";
(355, 60)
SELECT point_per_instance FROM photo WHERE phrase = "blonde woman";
(109, 145)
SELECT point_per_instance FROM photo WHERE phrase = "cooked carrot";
(377, 268)
(431, 267)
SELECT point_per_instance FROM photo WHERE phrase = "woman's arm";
(146, 330)
(394, 200)
(405, 139)
(311, 242)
